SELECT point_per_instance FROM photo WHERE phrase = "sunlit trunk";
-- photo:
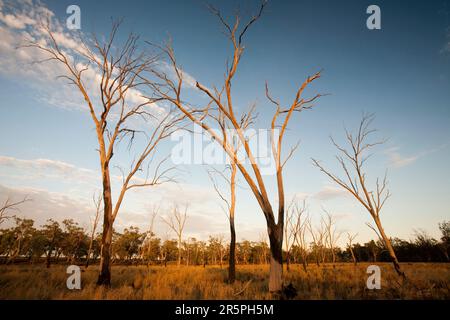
(276, 259)
(387, 243)
(104, 278)
(353, 256)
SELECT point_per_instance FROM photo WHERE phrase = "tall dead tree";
(115, 101)
(352, 159)
(221, 103)
(230, 201)
(176, 221)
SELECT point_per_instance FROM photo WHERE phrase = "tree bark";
(387, 243)
(104, 277)
(232, 257)
(179, 251)
(355, 262)
(288, 260)
(276, 258)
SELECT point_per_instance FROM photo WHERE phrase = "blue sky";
(401, 73)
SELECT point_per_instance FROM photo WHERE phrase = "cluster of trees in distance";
(67, 242)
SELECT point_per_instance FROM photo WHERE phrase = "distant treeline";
(69, 243)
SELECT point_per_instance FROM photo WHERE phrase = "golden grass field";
(344, 281)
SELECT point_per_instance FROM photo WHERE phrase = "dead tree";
(229, 201)
(300, 220)
(150, 234)
(332, 235)
(352, 159)
(118, 69)
(350, 239)
(98, 209)
(176, 221)
(318, 238)
(289, 231)
(221, 249)
(9, 205)
(169, 88)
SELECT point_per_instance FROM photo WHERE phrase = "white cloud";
(44, 205)
(21, 22)
(47, 168)
(397, 160)
(330, 192)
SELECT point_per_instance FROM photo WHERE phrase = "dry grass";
(344, 281)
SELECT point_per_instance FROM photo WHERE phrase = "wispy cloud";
(22, 22)
(45, 205)
(330, 192)
(398, 160)
(38, 168)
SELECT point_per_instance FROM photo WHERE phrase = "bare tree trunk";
(355, 262)
(88, 255)
(179, 251)
(304, 264)
(387, 243)
(232, 257)
(288, 258)
(276, 258)
(104, 278)
(97, 203)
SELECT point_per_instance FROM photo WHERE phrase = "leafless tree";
(318, 241)
(220, 239)
(120, 67)
(352, 159)
(176, 222)
(229, 201)
(300, 220)
(97, 202)
(147, 243)
(171, 90)
(289, 231)
(332, 235)
(10, 205)
(350, 239)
